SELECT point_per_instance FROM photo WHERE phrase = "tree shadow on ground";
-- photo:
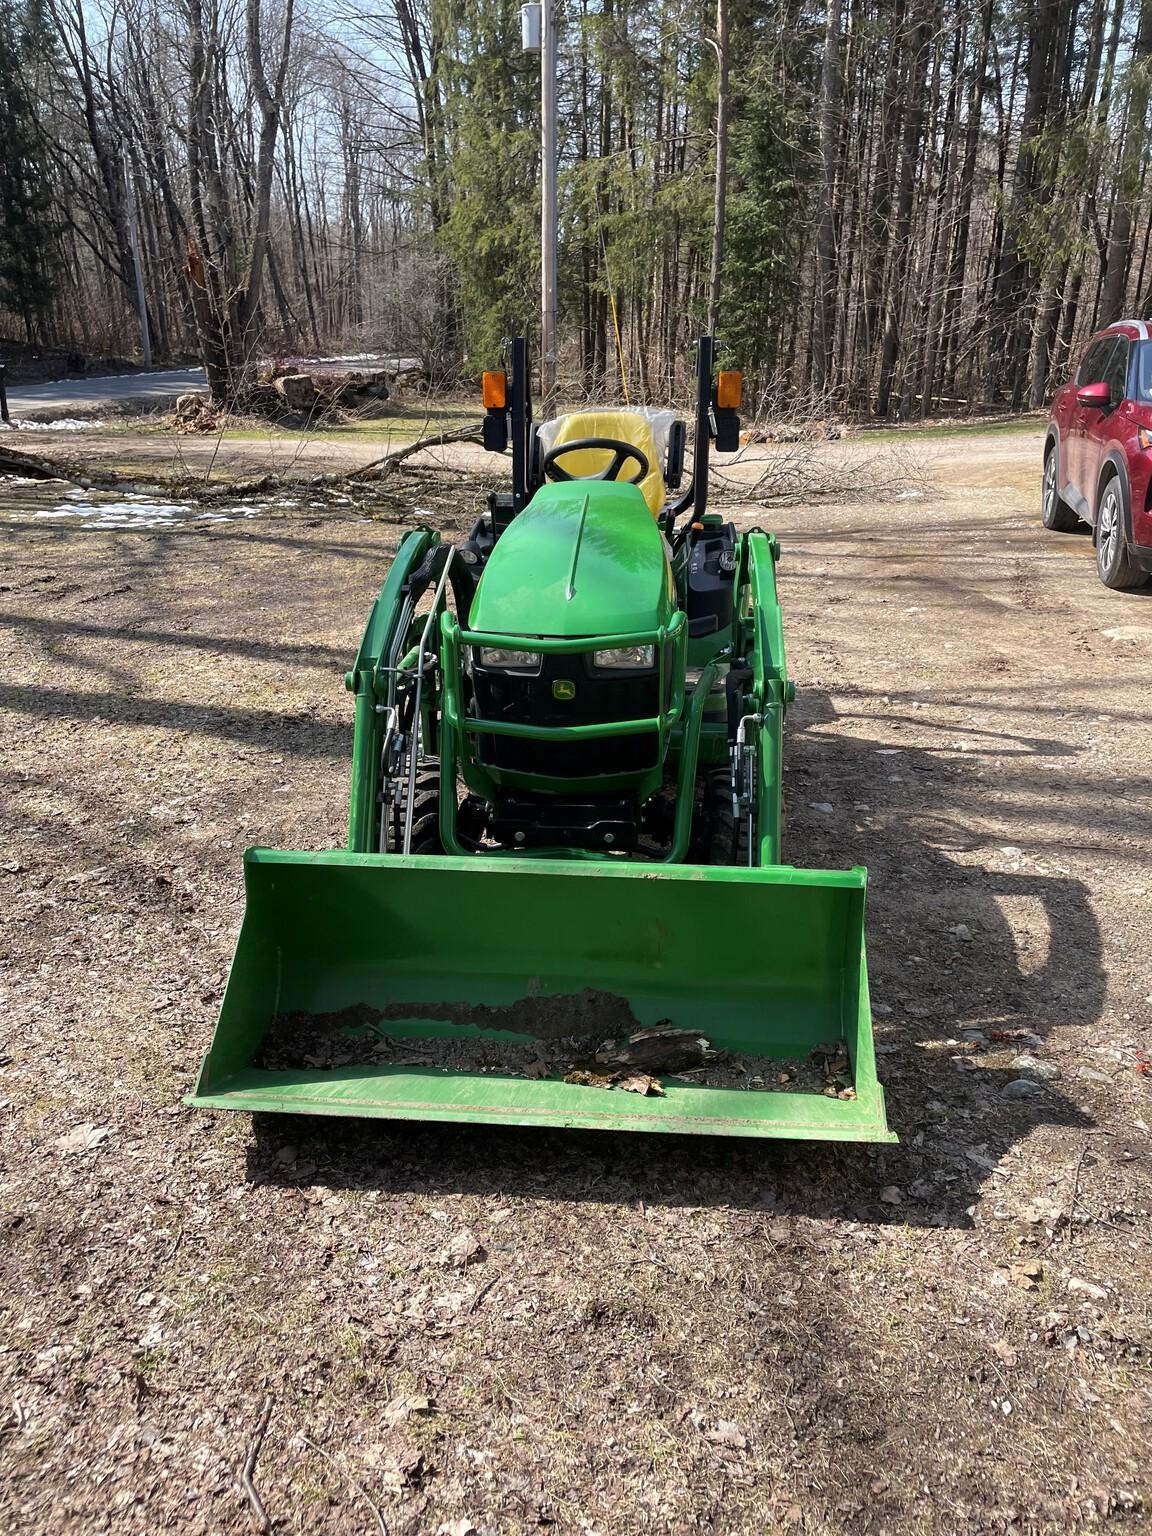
(57, 636)
(303, 734)
(969, 966)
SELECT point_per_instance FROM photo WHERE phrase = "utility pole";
(721, 191)
(538, 33)
(548, 201)
(134, 241)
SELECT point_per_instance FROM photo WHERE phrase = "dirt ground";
(146, 446)
(459, 1329)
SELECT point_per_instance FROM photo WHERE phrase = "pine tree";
(27, 227)
(770, 198)
(491, 235)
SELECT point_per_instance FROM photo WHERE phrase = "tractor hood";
(583, 558)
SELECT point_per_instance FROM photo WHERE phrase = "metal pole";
(4, 416)
(134, 241)
(548, 201)
(721, 47)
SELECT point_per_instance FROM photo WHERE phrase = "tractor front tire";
(727, 839)
(425, 814)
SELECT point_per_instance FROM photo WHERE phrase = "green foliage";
(27, 228)
(491, 115)
(1069, 156)
(772, 164)
(636, 208)
(636, 212)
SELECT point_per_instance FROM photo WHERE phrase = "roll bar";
(511, 422)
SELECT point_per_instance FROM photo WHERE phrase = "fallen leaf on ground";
(401, 1408)
(405, 1469)
(464, 1248)
(456, 1528)
(1004, 1350)
(1027, 1274)
(891, 1195)
(724, 1432)
(82, 1138)
(1097, 1292)
(642, 1083)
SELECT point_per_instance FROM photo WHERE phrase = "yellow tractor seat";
(625, 426)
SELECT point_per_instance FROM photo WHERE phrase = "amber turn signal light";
(495, 390)
(729, 390)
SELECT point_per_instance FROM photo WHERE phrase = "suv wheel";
(1056, 514)
(1113, 562)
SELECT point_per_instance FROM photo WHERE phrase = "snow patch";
(61, 424)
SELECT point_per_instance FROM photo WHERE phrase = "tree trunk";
(824, 306)
(1128, 181)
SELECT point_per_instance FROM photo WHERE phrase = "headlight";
(510, 661)
(626, 657)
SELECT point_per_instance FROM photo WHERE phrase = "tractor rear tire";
(727, 841)
(425, 814)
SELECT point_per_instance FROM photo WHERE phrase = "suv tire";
(1114, 564)
(1055, 512)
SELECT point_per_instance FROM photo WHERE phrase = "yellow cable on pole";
(619, 346)
(612, 300)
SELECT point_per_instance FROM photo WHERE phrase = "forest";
(928, 205)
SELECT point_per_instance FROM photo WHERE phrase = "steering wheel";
(621, 452)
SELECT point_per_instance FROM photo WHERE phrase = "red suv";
(1098, 453)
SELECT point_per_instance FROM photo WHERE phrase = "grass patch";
(931, 431)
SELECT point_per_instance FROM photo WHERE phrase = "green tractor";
(564, 857)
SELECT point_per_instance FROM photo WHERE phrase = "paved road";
(66, 395)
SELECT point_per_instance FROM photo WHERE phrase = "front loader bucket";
(768, 962)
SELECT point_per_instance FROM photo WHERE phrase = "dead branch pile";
(804, 468)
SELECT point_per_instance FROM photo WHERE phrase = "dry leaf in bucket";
(584, 1079)
(641, 1082)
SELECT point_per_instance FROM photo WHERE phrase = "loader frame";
(444, 732)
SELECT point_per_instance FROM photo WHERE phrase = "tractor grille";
(598, 698)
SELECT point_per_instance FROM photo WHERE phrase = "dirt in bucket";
(591, 1038)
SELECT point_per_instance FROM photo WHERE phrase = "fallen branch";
(250, 1464)
(229, 490)
(29, 467)
(380, 469)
